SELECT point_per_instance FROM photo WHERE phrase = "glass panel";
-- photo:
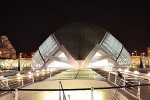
(112, 46)
(48, 47)
(124, 58)
(37, 61)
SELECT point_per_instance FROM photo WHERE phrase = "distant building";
(7, 51)
(148, 51)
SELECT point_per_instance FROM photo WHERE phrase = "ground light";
(1, 77)
(148, 74)
(119, 69)
(18, 76)
(30, 75)
(136, 72)
(126, 70)
(37, 72)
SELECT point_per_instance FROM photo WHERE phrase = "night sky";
(27, 23)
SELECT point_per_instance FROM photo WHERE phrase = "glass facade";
(124, 58)
(46, 50)
(112, 46)
(110, 51)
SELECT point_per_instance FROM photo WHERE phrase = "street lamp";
(135, 52)
(143, 54)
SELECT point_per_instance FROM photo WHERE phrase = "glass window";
(48, 47)
(37, 60)
(124, 58)
(111, 45)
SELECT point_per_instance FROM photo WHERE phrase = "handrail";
(9, 89)
(76, 88)
(77, 74)
(62, 90)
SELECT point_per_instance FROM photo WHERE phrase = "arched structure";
(81, 45)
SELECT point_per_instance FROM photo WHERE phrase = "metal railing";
(130, 84)
(133, 82)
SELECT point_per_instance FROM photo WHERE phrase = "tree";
(141, 63)
(18, 64)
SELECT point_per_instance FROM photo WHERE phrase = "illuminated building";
(79, 46)
(6, 48)
(148, 51)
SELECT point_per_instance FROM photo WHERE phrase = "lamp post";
(135, 53)
(143, 54)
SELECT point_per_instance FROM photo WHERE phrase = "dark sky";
(27, 23)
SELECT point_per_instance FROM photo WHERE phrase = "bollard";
(16, 94)
(59, 91)
(92, 93)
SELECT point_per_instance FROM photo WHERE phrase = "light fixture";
(126, 70)
(136, 72)
(18, 74)
(148, 74)
(119, 69)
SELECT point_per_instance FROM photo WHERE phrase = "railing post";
(92, 93)
(59, 91)
(22, 81)
(116, 78)
(138, 92)
(124, 83)
(16, 94)
(7, 81)
(50, 74)
(33, 78)
(109, 76)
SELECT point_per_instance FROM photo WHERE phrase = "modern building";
(75, 57)
(81, 45)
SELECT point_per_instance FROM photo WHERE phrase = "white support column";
(92, 93)
(138, 92)
(16, 94)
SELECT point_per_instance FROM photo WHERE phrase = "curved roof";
(80, 38)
